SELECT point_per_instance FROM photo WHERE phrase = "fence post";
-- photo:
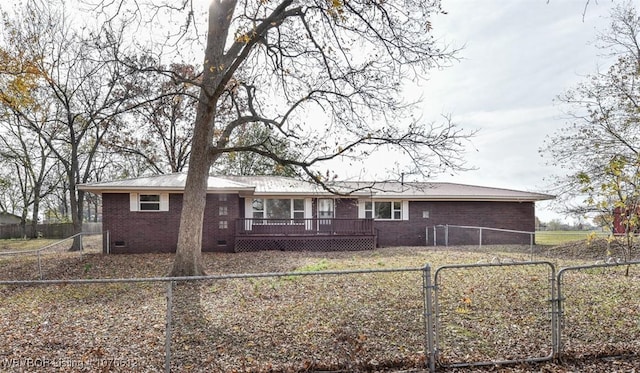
(480, 239)
(167, 340)
(39, 265)
(559, 315)
(446, 235)
(435, 243)
(531, 235)
(428, 318)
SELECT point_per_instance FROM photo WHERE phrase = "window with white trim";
(383, 210)
(278, 208)
(149, 202)
(326, 208)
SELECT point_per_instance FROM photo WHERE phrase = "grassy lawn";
(351, 322)
(24, 245)
(553, 238)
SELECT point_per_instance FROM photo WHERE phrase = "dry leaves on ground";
(355, 322)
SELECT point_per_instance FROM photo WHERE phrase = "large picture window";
(278, 208)
(383, 210)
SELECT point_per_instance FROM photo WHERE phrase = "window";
(223, 224)
(383, 210)
(368, 210)
(325, 208)
(278, 208)
(149, 202)
(258, 208)
(298, 209)
(222, 197)
(223, 210)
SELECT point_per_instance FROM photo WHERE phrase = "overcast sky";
(519, 56)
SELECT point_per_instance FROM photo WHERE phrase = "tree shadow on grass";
(187, 316)
(192, 346)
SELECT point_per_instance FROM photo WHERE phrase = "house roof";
(434, 191)
(287, 186)
(8, 218)
(284, 186)
(163, 183)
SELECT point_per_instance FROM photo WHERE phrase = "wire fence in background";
(87, 242)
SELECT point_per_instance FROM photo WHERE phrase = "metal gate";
(491, 311)
(599, 308)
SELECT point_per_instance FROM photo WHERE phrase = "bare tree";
(248, 163)
(31, 163)
(163, 137)
(325, 76)
(72, 71)
(599, 148)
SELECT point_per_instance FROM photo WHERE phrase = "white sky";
(519, 56)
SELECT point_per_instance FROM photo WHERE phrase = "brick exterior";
(157, 231)
(518, 216)
(136, 232)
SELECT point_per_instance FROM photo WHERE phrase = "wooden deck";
(305, 234)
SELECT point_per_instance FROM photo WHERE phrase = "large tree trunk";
(188, 260)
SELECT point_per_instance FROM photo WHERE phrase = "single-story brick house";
(277, 213)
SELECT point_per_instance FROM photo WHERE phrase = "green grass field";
(553, 238)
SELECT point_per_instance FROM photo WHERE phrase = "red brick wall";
(504, 215)
(142, 231)
(158, 231)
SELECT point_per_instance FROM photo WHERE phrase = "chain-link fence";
(354, 320)
(600, 308)
(347, 320)
(494, 313)
(38, 265)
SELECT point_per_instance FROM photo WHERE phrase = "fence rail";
(445, 316)
(64, 245)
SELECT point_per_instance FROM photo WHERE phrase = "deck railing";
(304, 227)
